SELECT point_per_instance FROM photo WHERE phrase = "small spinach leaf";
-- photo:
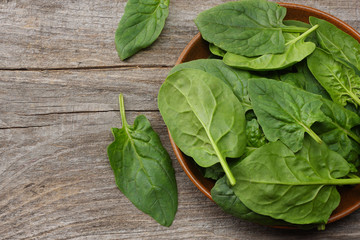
(299, 189)
(248, 27)
(341, 45)
(296, 49)
(216, 50)
(340, 81)
(336, 131)
(212, 125)
(214, 172)
(143, 170)
(255, 136)
(140, 25)
(284, 111)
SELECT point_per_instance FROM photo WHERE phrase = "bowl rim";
(181, 157)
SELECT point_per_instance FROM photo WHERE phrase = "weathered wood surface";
(55, 180)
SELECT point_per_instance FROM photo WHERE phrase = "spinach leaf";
(336, 131)
(224, 196)
(247, 27)
(296, 49)
(340, 81)
(213, 172)
(216, 50)
(255, 136)
(140, 25)
(341, 45)
(304, 79)
(142, 169)
(299, 189)
(236, 79)
(212, 120)
(284, 111)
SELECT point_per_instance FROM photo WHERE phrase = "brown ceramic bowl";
(198, 48)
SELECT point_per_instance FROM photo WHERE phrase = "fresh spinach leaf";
(140, 25)
(142, 169)
(341, 45)
(299, 189)
(236, 79)
(212, 120)
(224, 196)
(247, 27)
(216, 50)
(340, 81)
(285, 112)
(214, 172)
(336, 131)
(255, 136)
(296, 49)
(304, 79)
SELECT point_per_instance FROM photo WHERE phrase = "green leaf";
(336, 131)
(143, 170)
(216, 50)
(296, 49)
(299, 189)
(236, 79)
(140, 25)
(204, 117)
(247, 27)
(341, 45)
(340, 81)
(214, 172)
(255, 136)
(224, 196)
(285, 112)
(304, 79)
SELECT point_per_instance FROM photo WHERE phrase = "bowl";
(198, 49)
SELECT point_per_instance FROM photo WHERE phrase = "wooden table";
(60, 77)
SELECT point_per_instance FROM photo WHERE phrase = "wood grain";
(56, 112)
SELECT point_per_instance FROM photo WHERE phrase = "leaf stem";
(294, 29)
(122, 110)
(304, 35)
(353, 176)
(353, 136)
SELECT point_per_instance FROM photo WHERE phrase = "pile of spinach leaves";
(272, 116)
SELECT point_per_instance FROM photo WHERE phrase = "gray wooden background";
(59, 83)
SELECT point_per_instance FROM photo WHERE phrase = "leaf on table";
(143, 170)
(140, 25)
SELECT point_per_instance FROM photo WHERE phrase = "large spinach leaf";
(304, 79)
(299, 188)
(296, 49)
(204, 117)
(341, 45)
(247, 27)
(336, 131)
(143, 170)
(340, 81)
(140, 25)
(284, 111)
(235, 78)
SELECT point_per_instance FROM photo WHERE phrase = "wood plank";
(72, 34)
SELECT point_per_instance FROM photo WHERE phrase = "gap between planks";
(145, 66)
